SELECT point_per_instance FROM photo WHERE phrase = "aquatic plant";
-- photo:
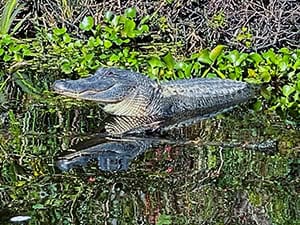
(113, 43)
(9, 13)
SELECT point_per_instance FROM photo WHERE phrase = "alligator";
(139, 104)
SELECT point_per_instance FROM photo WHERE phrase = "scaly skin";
(139, 103)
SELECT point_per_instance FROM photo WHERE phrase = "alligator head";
(107, 85)
(122, 92)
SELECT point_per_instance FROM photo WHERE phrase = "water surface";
(219, 172)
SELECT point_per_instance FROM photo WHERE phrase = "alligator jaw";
(121, 92)
(99, 90)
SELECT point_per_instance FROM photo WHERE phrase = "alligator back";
(186, 102)
(206, 87)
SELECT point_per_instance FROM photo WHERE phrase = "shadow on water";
(236, 169)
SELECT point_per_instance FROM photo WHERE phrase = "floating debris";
(19, 219)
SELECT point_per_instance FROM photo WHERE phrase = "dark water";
(239, 168)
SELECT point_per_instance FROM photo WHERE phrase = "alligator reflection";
(112, 154)
(116, 154)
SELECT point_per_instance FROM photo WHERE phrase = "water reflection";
(111, 154)
(239, 169)
(116, 154)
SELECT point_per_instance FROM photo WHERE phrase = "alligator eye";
(171, 108)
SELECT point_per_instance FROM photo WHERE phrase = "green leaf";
(296, 66)
(129, 27)
(266, 92)
(220, 74)
(242, 58)
(67, 38)
(211, 75)
(206, 72)
(194, 56)
(184, 69)
(6, 39)
(91, 41)
(25, 84)
(287, 90)
(266, 76)
(87, 23)
(271, 56)
(204, 57)
(284, 50)
(252, 81)
(296, 96)
(196, 67)
(59, 31)
(169, 60)
(114, 58)
(89, 57)
(15, 48)
(103, 56)
(257, 106)
(180, 66)
(9, 11)
(107, 43)
(66, 68)
(283, 101)
(78, 43)
(155, 61)
(213, 55)
(120, 41)
(233, 57)
(283, 66)
(298, 85)
(130, 13)
(144, 28)
(27, 52)
(251, 73)
(6, 58)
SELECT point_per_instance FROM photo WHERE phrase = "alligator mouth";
(106, 86)
(104, 94)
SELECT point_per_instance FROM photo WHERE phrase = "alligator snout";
(100, 90)
(59, 86)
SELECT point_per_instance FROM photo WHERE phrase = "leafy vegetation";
(187, 186)
(9, 13)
